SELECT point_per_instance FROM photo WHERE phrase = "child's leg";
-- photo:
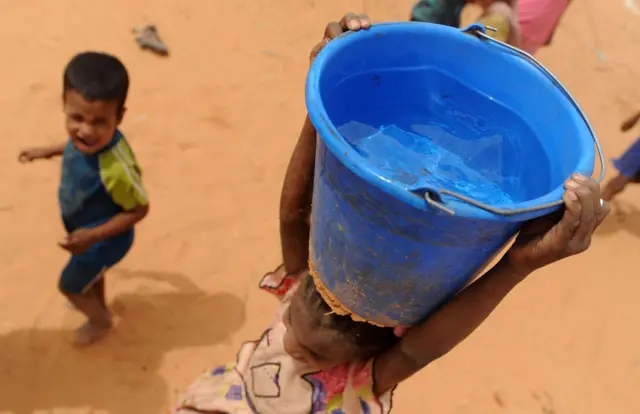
(82, 282)
(98, 289)
(98, 323)
(628, 166)
(77, 283)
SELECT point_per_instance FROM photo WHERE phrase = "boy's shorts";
(629, 163)
(83, 270)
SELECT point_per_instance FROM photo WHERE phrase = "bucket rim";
(340, 148)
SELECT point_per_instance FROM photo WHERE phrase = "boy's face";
(308, 341)
(90, 125)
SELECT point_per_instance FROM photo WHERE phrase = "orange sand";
(203, 125)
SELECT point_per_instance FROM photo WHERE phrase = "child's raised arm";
(533, 249)
(295, 201)
(33, 154)
(297, 190)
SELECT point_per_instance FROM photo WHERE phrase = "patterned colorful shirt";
(266, 380)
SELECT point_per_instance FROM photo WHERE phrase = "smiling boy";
(101, 194)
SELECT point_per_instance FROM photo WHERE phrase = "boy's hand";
(79, 241)
(546, 240)
(33, 154)
(350, 21)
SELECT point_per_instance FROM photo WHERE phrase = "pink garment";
(538, 20)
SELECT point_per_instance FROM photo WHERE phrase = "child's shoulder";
(119, 149)
(121, 174)
(118, 158)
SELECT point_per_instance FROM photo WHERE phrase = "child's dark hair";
(97, 77)
(370, 339)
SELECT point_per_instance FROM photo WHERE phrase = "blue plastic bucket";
(435, 146)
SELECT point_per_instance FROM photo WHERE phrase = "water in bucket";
(438, 140)
(418, 160)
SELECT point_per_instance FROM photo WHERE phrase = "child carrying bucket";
(310, 360)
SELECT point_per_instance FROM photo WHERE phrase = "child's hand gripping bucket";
(435, 146)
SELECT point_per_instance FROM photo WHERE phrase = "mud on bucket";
(435, 146)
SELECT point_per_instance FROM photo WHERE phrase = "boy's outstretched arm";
(297, 190)
(537, 245)
(33, 154)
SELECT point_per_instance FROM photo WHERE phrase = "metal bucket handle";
(434, 197)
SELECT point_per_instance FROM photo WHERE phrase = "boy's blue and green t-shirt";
(96, 187)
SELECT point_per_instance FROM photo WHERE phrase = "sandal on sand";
(148, 38)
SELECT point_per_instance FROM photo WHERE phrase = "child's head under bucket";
(321, 338)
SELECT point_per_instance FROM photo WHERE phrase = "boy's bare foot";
(148, 38)
(91, 332)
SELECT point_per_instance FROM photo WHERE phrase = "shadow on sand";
(624, 217)
(41, 372)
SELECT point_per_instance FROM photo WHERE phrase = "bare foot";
(91, 332)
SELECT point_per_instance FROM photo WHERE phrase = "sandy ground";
(213, 126)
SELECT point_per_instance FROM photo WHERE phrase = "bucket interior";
(427, 106)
